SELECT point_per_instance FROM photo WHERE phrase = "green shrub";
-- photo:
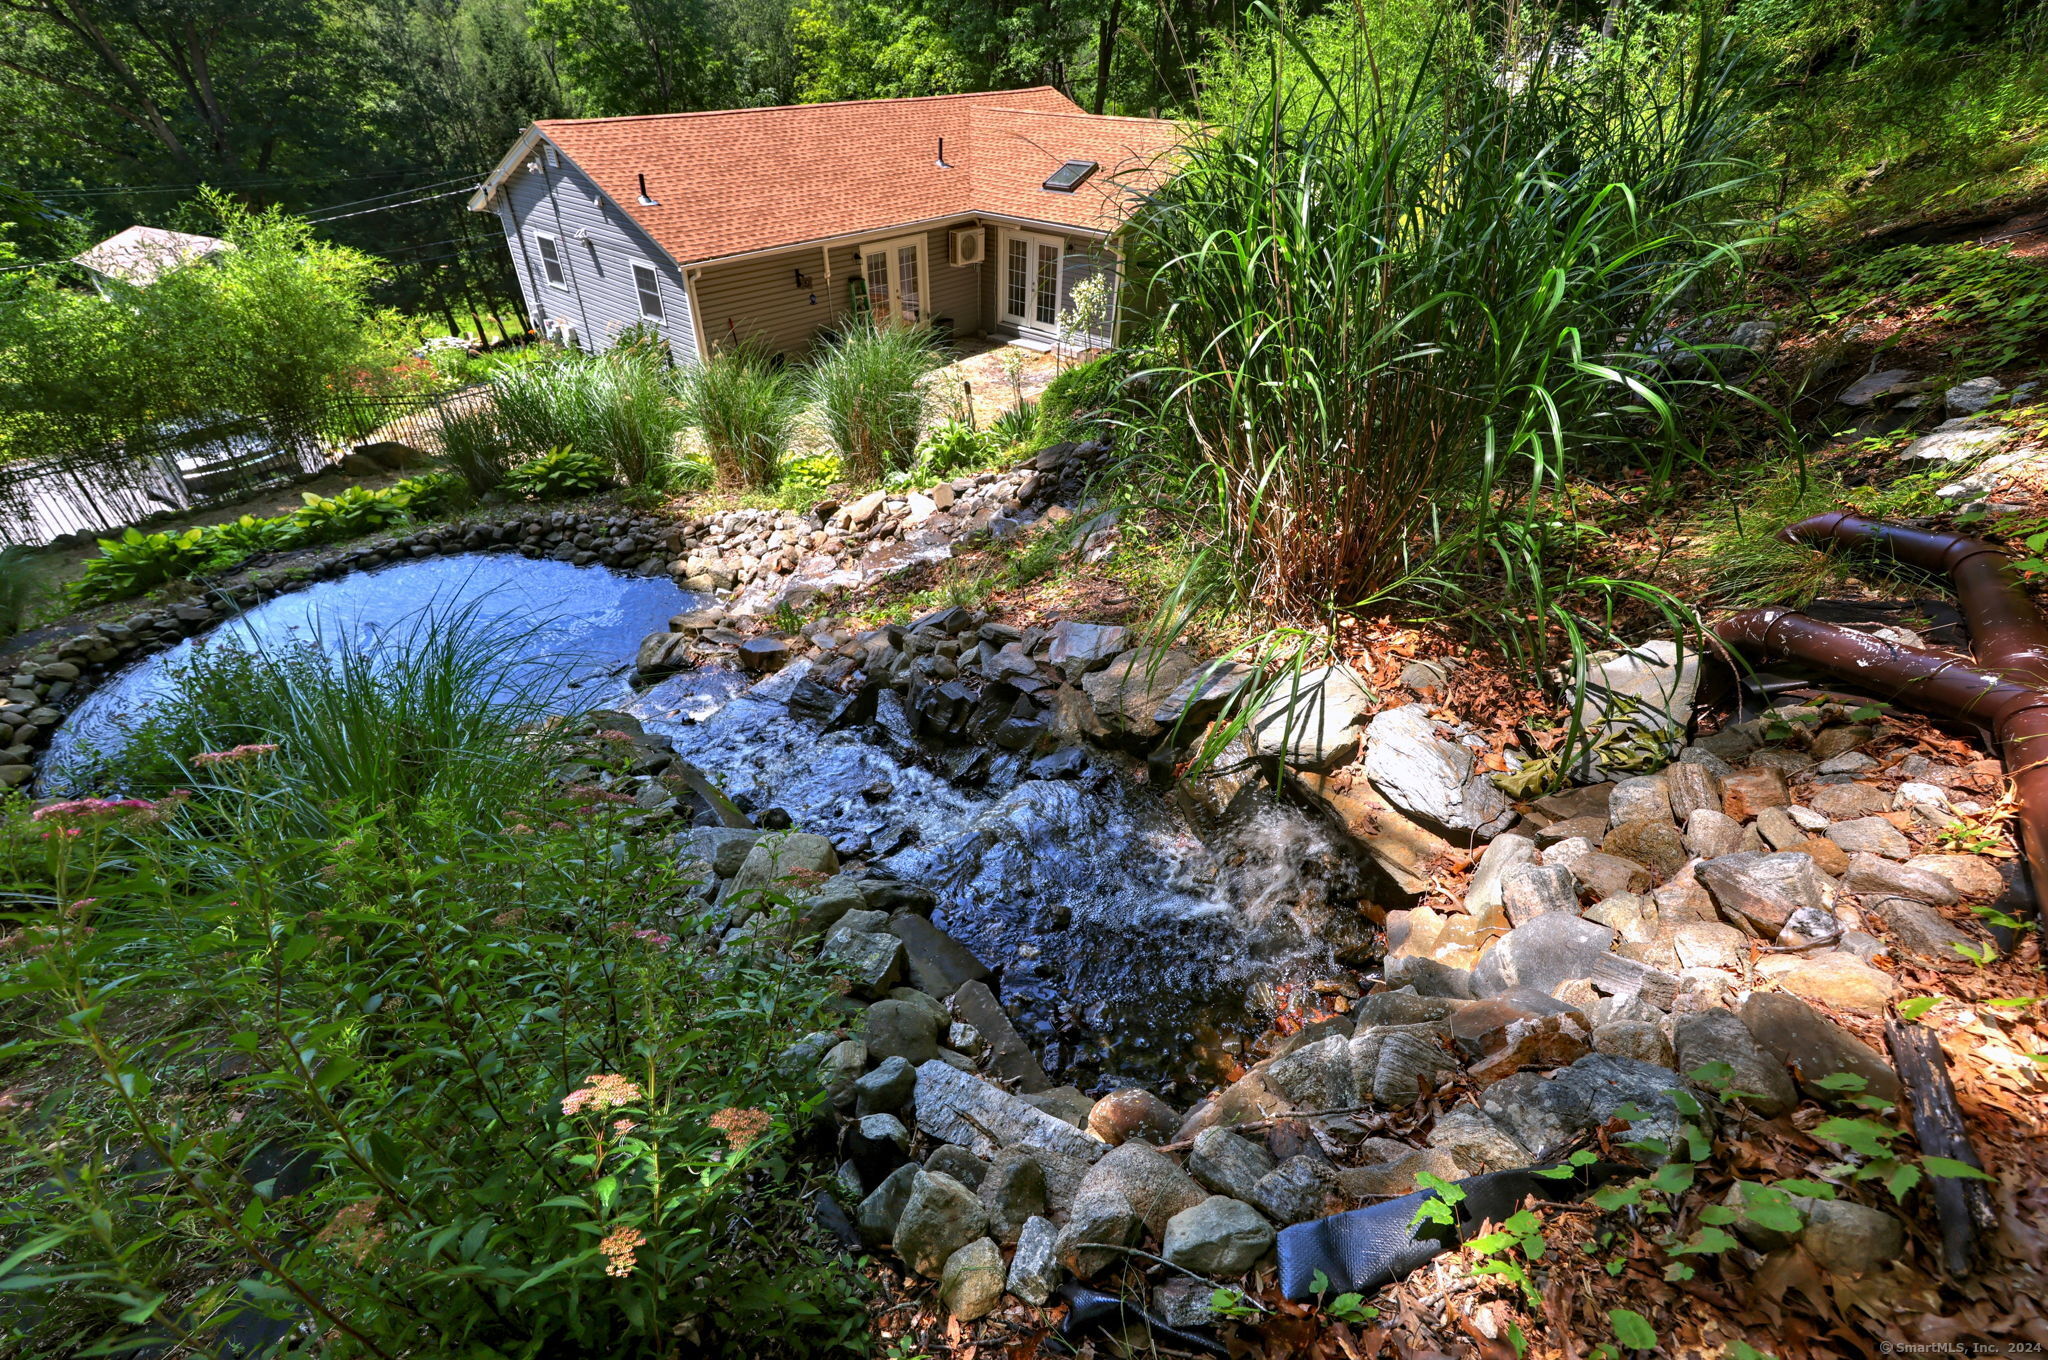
(805, 481)
(541, 1109)
(558, 473)
(2000, 296)
(954, 446)
(746, 408)
(351, 512)
(868, 390)
(247, 536)
(136, 562)
(1079, 391)
(1388, 333)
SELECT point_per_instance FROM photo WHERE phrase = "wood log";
(1964, 1206)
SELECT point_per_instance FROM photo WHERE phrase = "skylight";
(1071, 176)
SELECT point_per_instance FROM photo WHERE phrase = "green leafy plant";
(2000, 296)
(1346, 1307)
(136, 562)
(806, 481)
(351, 512)
(1016, 425)
(953, 446)
(745, 405)
(619, 406)
(867, 389)
(473, 443)
(558, 473)
(535, 1104)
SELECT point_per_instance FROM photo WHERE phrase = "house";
(139, 256)
(977, 213)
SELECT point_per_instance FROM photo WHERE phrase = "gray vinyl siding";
(600, 298)
(759, 297)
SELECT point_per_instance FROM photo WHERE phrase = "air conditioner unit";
(969, 244)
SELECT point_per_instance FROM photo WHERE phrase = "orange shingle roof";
(732, 181)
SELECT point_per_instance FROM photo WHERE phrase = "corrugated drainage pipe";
(2007, 690)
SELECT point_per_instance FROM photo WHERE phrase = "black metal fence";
(202, 464)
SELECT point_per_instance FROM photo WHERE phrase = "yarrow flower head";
(741, 1126)
(91, 810)
(245, 752)
(619, 1247)
(603, 1091)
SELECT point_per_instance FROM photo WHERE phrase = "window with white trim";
(551, 260)
(647, 284)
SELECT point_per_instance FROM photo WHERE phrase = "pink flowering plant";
(437, 1054)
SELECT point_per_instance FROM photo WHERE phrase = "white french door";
(1028, 290)
(896, 279)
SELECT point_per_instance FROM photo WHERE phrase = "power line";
(393, 207)
(189, 188)
(409, 189)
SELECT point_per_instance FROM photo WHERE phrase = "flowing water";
(1134, 941)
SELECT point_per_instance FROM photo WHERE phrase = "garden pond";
(1135, 941)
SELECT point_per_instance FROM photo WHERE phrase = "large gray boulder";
(1228, 1163)
(1220, 1237)
(1309, 721)
(1757, 1078)
(882, 1210)
(1798, 1035)
(1544, 1112)
(1642, 694)
(1549, 951)
(1013, 1193)
(1759, 889)
(900, 1029)
(959, 1107)
(1147, 1179)
(773, 859)
(1099, 1221)
(971, 1283)
(1435, 781)
(939, 1217)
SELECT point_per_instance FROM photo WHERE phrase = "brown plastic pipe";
(2006, 630)
(2006, 691)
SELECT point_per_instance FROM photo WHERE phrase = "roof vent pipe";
(645, 200)
(941, 161)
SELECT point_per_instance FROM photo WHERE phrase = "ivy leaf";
(1902, 1180)
(1863, 1136)
(1915, 1007)
(1949, 1166)
(1842, 1081)
(1810, 1189)
(1632, 1329)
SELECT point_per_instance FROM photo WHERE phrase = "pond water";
(1131, 945)
(583, 626)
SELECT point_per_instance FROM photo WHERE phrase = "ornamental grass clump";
(745, 406)
(1398, 320)
(868, 390)
(620, 406)
(396, 1050)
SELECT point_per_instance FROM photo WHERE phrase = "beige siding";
(759, 297)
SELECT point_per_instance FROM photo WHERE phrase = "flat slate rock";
(1009, 1057)
(934, 961)
(959, 1107)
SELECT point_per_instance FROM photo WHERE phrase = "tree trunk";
(1105, 51)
